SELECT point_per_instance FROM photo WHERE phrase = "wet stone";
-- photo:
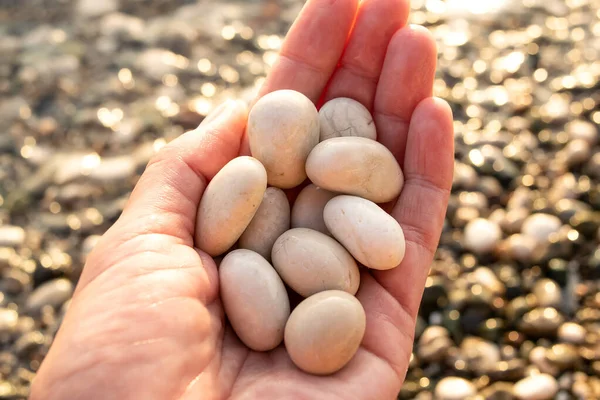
(536, 387)
(498, 391)
(586, 222)
(481, 356)
(511, 370)
(8, 321)
(454, 388)
(540, 226)
(541, 322)
(547, 293)
(481, 235)
(11, 236)
(433, 344)
(30, 343)
(53, 293)
(563, 355)
(537, 356)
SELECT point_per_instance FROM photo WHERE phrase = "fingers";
(406, 79)
(428, 169)
(166, 197)
(358, 71)
(312, 48)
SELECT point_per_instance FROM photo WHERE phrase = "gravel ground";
(89, 90)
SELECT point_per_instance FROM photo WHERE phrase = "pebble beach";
(90, 90)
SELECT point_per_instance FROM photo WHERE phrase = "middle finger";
(359, 68)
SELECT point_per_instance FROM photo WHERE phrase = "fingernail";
(218, 112)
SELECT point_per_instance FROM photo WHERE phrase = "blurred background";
(90, 89)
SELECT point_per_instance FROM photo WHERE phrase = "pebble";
(53, 293)
(481, 355)
(577, 152)
(454, 388)
(464, 177)
(563, 355)
(513, 220)
(537, 356)
(547, 293)
(307, 211)
(486, 277)
(541, 321)
(122, 26)
(11, 236)
(434, 344)
(571, 332)
(583, 130)
(481, 235)
(522, 248)
(346, 117)
(113, 168)
(536, 387)
(8, 320)
(93, 8)
(540, 226)
(271, 220)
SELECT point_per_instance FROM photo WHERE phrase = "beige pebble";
(283, 128)
(324, 332)
(536, 387)
(571, 332)
(254, 298)
(346, 117)
(541, 226)
(229, 204)
(454, 388)
(270, 221)
(307, 211)
(311, 262)
(371, 235)
(482, 235)
(357, 166)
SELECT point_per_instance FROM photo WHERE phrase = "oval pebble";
(283, 128)
(311, 262)
(482, 235)
(307, 211)
(536, 387)
(343, 116)
(270, 221)
(454, 388)
(356, 166)
(254, 298)
(8, 320)
(324, 332)
(371, 235)
(52, 293)
(540, 226)
(571, 332)
(229, 203)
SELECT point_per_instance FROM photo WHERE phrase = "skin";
(146, 321)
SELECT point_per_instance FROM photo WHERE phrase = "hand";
(146, 322)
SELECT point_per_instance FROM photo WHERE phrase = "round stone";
(454, 388)
(540, 226)
(571, 332)
(536, 387)
(482, 235)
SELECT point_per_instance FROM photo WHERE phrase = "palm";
(146, 319)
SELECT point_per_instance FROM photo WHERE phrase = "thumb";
(165, 198)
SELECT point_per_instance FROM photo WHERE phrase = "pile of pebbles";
(90, 90)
